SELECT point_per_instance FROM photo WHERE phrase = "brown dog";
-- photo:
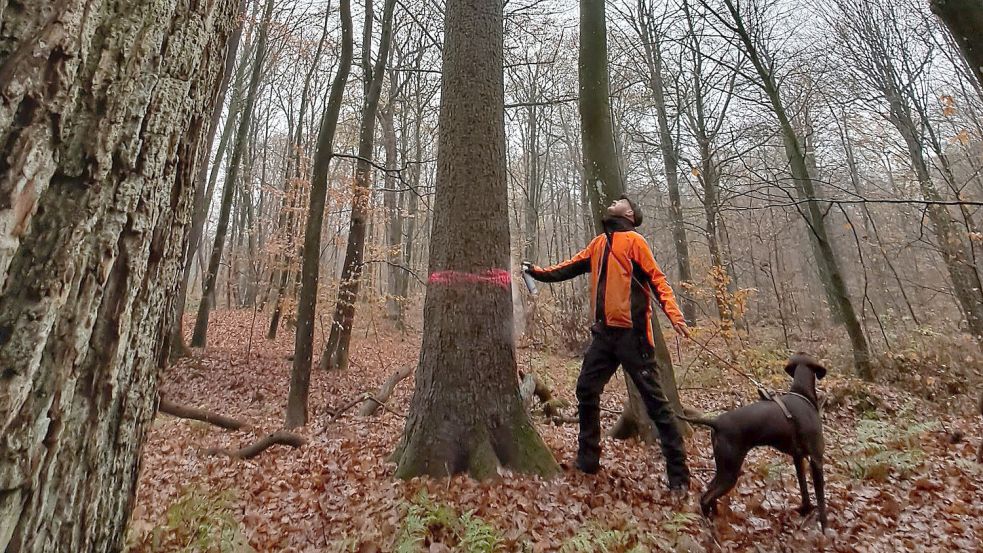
(765, 423)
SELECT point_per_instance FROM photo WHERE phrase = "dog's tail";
(712, 423)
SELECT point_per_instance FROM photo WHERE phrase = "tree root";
(203, 415)
(381, 396)
(281, 437)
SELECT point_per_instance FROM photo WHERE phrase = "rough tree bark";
(200, 335)
(336, 351)
(97, 172)
(604, 181)
(466, 415)
(300, 375)
(964, 19)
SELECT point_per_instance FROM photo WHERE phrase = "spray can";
(527, 278)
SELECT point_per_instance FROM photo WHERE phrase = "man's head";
(624, 207)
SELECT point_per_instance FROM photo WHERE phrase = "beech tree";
(466, 414)
(98, 164)
(300, 376)
(336, 351)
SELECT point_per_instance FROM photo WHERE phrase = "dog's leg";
(816, 463)
(729, 461)
(800, 473)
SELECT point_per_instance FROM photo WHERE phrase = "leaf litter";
(898, 485)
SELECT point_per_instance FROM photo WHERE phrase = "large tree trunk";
(964, 18)
(200, 335)
(300, 375)
(97, 172)
(602, 170)
(466, 414)
(336, 351)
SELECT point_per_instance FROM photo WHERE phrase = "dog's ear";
(790, 367)
(818, 369)
(802, 358)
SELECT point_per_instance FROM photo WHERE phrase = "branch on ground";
(203, 415)
(281, 437)
(532, 386)
(381, 396)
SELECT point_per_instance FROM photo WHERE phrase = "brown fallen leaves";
(337, 492)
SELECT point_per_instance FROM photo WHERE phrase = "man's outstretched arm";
(642, 255)
(575, 266)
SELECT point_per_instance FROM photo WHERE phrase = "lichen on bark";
(103, 111)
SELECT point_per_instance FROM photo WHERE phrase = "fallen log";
(203, 415)
(379, 398)
(281, 437)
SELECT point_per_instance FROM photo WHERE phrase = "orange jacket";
(623, 273)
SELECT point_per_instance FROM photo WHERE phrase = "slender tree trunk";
(392, 201)
(97, 181)
(652, 47)
(965, 280)
(179, 347)
(602, 170)
(336, 351)
(200, 335)
(833, 281)
(300, 376)
(466, 414)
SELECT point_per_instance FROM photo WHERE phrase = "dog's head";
(802, 359)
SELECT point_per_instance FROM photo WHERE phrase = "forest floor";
(894, 479)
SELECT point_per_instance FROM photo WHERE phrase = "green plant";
(428, 522)
(199, 521)
(595, 538)
(884, 448)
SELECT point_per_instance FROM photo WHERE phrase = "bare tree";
(200, 335)
(300, 375)
(748, 25)
(336, 352)
(876, 38)
(476, 423)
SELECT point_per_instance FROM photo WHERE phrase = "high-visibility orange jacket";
(623, 275)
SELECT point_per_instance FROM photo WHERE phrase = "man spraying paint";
(624, 275)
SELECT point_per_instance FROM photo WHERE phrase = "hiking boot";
(587, 467)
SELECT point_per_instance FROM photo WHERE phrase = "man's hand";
(681, 329)
(528, 267)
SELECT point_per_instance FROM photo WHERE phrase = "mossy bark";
(104, 112)
(466, 415)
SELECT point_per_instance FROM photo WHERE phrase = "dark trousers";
(631, 349)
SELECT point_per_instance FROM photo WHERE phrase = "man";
(623, 276)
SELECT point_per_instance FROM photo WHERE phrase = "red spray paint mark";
(495, 277)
